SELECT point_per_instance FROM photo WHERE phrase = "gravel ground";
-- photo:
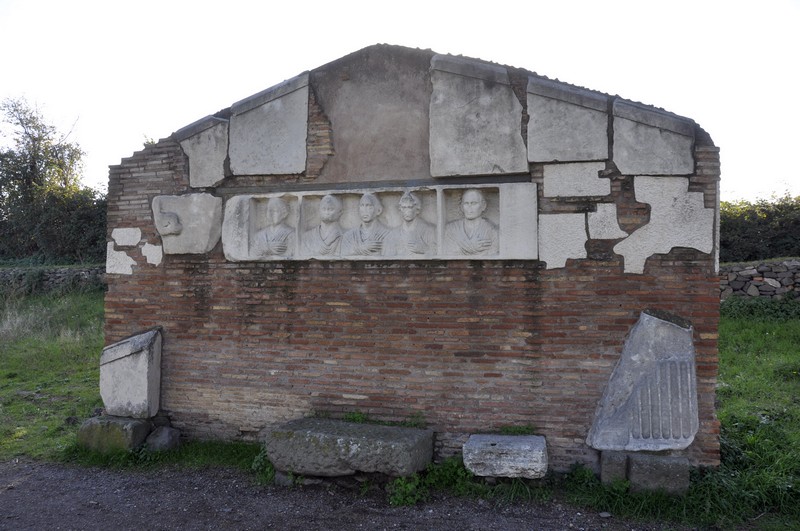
(44, 496)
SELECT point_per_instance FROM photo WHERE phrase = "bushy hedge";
(760, 230)
(58, 227)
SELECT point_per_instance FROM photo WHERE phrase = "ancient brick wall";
(468, 346)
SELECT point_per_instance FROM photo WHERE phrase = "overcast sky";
(116, 72)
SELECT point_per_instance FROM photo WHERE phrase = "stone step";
(329, 447)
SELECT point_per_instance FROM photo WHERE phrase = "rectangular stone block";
(268, 131)
(475, 120)
(566, 123)
(113, 434)
(577, 179)
(329, 447)
(130, 376)
(648, 472)
(508, 456)
(648, 142)
(613, 466)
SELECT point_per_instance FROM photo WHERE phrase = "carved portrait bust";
(414, 235)
(277, 238)
(474, 234)
(325, 239)
(366, 239)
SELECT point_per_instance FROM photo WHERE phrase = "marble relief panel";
(442, 222)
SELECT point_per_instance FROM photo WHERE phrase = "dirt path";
(42, 496)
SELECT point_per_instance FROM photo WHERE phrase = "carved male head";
(473, 204)
(410, 206)
(330, 208)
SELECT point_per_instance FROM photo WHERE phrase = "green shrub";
(784, 309)
(760, 230)
(262, 466)
(409, 490)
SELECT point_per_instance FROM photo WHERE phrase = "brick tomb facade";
(491, 240)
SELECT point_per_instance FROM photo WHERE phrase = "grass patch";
(50, 350)
(415, 420)
(452, 477)
(191, 454)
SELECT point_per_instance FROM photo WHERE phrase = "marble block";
(475, 120)
(650, 401)
(508, 456)
(130, 376)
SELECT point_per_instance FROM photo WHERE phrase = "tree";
(41, 200)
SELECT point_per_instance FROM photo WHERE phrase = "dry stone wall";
(265, 319)
(48, 279)
(766, 279)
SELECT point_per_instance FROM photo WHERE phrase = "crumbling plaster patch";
(153, 253)
(118, 262)
(678, 218)
(603, 224)
(561, 237)
(126, 236)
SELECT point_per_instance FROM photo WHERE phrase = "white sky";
(121, 71)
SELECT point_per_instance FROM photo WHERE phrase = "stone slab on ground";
(509, 456)
(108, 434)
(329, 447)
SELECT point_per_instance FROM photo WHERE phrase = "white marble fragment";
(507, 456)
(268, 131)
(118, 262)
(650, 142)
(153, 253)
(126, 236)
(393, 223)
(205, 142)
(575, 179)
(566, 123)
(561, 237)
(678, 218)
(650, 401)
(130, 376)
(475, 120)
(603, 224)
(518, 213)
(188, 224)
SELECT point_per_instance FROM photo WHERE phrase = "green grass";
(50, 348)
(192, 454)
(49, 361)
